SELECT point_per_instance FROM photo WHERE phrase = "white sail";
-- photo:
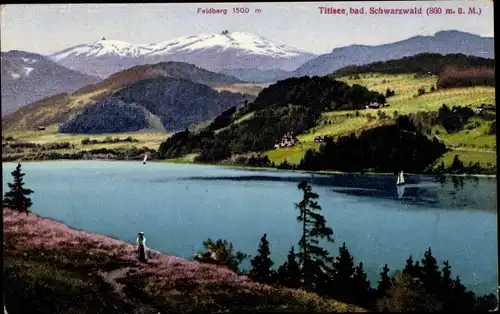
(145, 158)
(400, 179)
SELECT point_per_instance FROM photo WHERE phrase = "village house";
(484, 107)
(288, 140)
(319, 139)
(375, 105)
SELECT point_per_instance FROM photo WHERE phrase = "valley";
(275, 158)
(151, 102)
(470, 145)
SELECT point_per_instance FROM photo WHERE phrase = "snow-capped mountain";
(28, 77)
(214, 52)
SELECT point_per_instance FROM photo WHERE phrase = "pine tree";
(362, 290)
(289, 272)
(313, 259)
(261, 264)
(385, 282)
(447, 281)
(431, 276)
(409, 266)
(411, 269)
(343, 271)
(16, 198)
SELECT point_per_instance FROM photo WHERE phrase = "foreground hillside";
(49, 268)
(29, 77)
(59, 108)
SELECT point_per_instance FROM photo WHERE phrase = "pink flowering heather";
(31, 231)
(165, 276)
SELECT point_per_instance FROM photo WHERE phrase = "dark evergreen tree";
(289, 273)
(261, 264)
(16, 198)
(414, 270)
(409, 266)
(461, 299)
(313, 259)
(446, 280)
(457, 164)
(385, 282)
(362, 291)
(431, 276)
(343, 272)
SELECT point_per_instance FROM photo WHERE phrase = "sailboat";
(401, 179)
(145, 158)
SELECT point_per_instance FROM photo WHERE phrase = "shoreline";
(109, 266)
(321, 172)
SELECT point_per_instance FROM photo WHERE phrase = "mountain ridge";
(210, 51)
(59, 108)
(28, 77)
(443, 42)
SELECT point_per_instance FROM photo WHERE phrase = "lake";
(180, 206)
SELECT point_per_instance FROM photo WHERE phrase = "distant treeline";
(422, 63)
(289, 106)
(48, 146)
(102, 153)
(109, 140)
(454, 77)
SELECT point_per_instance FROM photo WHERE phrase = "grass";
(184, 159)
(50, 268)
(341, 125)
(48, 111)
(244, 88)
(405, 87)
(474, 138)
(50, 135)
(485, 159)
(292, 155)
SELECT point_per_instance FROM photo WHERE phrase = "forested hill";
(292, 105)
(422, 63)
(157, 103)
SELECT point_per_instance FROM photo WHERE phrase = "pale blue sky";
(46, 28)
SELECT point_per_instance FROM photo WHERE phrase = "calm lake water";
(180, 206)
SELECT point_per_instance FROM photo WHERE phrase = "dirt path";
(113, 277)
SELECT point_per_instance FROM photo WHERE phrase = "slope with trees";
(60, 108)
(423, 64)
(289, 106)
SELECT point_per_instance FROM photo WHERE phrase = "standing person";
(141, 241)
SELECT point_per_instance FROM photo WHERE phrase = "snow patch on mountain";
(27, 60)
(103, 48)
(28, 70)
(247, 42)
